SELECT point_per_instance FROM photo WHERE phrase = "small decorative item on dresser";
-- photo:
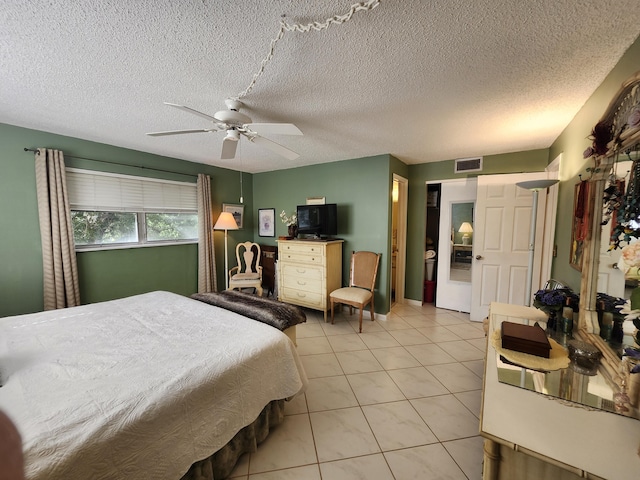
(291, 223)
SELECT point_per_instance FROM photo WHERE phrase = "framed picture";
(236, 210)
(316, 200)
(267, 218)
(580, 224)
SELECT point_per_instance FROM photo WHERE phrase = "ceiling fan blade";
(274, 128)
(195, 112)
(274, 147)
(228, 148)
(180, 132)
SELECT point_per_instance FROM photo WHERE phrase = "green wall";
(529, 161)
(362, 190)
(571, 143)
(104, 275)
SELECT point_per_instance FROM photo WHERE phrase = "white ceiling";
(422, 80)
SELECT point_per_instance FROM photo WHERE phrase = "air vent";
(464, 165)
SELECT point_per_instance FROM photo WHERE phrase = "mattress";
(140, 387)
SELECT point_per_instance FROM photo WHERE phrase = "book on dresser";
(308, 271)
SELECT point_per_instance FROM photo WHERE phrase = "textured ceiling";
(422, 80)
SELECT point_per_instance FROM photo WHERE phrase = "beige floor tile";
(342, 433)
(362, 361)
(447, 417)
(409, 336)
(397, 425)
(394, 358)
(327, 393)
(308, 472)
(466, 331)
(430, 354)
(379, 340)
(467, 453)
(370, 467)
(290, 444)
(313, 346)
(417, 382)
(476, 366)
(426, 462)
(321, 365)
(375, 387)
(456, 377)
(462, 350)
(438, 333)
(346, 343)
(296, 405)
(472, 400)
(306, 330)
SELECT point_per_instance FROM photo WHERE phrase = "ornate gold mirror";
(612, 239)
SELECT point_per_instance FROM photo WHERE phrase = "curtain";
(60, 270)
(207, 281)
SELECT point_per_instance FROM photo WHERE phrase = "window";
(115, 211)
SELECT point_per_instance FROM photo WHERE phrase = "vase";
(293, 231)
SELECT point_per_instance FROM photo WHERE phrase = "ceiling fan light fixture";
(233, 135)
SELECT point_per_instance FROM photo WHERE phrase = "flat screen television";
(318, 220)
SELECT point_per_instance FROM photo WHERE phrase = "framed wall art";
(580, 224)
(236, 210)
(267, 218)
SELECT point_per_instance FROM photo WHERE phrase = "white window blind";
(101, 191)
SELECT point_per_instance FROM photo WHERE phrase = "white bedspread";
(140, 387)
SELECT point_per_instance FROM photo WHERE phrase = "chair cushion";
(246, 276)
(351, 294)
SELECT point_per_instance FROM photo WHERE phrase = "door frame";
(401, 254)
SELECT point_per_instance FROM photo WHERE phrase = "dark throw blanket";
(272, 312)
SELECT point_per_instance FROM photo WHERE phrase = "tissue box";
(529, 339)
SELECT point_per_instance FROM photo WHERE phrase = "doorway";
(399, 193)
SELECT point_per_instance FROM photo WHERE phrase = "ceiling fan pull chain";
(297, 27)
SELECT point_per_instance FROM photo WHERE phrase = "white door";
(453, 290)
(501, 241)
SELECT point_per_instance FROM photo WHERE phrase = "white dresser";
(308, 271)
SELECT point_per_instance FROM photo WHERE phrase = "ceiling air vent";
(464, 165)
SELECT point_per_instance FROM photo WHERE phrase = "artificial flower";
(288, 221)
(634, 117)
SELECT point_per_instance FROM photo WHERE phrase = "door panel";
(451, 293)
(501, 249)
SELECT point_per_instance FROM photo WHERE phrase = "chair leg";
(360, 319)
(371, 308)
(332, 304)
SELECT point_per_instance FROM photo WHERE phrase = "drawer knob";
(301, 283)
(301, 295)
(300, 271)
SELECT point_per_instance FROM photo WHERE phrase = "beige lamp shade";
(226, 222)
(465, 229)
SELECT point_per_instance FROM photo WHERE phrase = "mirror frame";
(616, 115)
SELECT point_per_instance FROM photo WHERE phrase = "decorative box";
(529, 339)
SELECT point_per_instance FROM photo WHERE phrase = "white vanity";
(531, 436)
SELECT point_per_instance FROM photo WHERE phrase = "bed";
(141, 387)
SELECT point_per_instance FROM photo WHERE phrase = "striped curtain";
(60, 269)
(207, 281)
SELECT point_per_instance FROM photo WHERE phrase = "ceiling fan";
(235, 124)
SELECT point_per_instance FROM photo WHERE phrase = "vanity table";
(531, 435)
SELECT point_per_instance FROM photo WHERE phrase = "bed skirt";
(220, 465)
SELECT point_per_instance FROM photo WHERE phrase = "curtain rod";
(121, 164)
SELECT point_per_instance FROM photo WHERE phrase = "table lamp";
(466, 229)
(226, 222)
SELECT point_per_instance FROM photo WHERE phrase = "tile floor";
(400, 401)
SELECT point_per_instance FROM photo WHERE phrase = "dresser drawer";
(303, 248)
(302, 283)
(309, 272)
(300, 297)
(310, 258)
